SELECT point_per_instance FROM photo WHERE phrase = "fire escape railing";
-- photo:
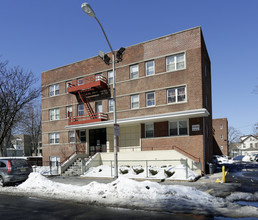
(82, 88)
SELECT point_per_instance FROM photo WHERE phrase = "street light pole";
(89, 11)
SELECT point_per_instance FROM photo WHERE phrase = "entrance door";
(97, 140)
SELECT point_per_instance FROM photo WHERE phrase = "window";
(221, 137)
(251, 145)
(110, 77)
(68, 84)
(54, 90)
(69, 111)
(54, 138)
(176, 95)
(110, 105)
(221, 126)
(149, 130)
(178, 128)
(82, 136)
(150, 68)
(175, 62)
(134, 71)
(54, 114)
(80, 109)
(150, 99)
(71, 136)
(80, 81)
(135, 101)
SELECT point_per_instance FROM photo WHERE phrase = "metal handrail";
(101, 116)
(87, 79)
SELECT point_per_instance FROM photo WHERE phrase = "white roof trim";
(143, 119)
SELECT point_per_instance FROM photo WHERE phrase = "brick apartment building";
(163, 90)
(220, 133)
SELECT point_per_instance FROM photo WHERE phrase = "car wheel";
(2, 182)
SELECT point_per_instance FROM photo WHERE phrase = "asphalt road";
(30, 208)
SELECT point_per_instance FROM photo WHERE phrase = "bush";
(169, 173)
(153, 171)
(124, 169)
(138, 170)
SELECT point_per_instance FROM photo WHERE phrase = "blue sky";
(42, 35)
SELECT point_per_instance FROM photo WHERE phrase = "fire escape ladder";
(86, 103)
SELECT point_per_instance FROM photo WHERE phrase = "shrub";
(153, 171)
(169, 173)
(138, 170)
(124, 169)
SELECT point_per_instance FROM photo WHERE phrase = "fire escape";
(87, 90)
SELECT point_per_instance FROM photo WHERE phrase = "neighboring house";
(249, 145)
(21, 146)
(234, 149)
(163, 90)
(220, 134)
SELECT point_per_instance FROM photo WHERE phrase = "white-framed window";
(150, 99)
(175, 62)
(80, 81)
(82, 136)
(221, 137)
(110, 105)
(71, 136)
(175, 95)
(134, 71)
(54, 114)
(54, 90)
(135, 102)
(54, 138)
(150, 68)
(80, 109)
(67, 85)
(110, 77)
(221, 126)
(149, 130)
(69, 111)
(177, 128)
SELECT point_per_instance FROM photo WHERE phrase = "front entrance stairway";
(75, 169)
(74, 166)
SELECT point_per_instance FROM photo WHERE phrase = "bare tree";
(16, 90)
(233, 135)
(255, 129)
(30, 123)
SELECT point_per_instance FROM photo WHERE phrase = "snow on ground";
(169, 172)
(145, 195)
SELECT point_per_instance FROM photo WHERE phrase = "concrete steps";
(75, 169)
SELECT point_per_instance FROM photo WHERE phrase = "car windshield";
(238, 157)
(19, 163)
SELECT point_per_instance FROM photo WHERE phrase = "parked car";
(13, 170)
(254, 157)
(219, 159)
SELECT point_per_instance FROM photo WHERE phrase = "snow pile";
(146, 195)
(138, 172)
(45, 170)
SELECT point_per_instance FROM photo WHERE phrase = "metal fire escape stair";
(87, 90)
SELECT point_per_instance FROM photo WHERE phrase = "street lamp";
(89, 11)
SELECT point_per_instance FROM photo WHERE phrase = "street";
(29, 208)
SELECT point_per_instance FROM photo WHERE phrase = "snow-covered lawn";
(138, 172)
(146, 195)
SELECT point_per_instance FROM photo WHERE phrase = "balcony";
(82, 119)
(89, 83)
